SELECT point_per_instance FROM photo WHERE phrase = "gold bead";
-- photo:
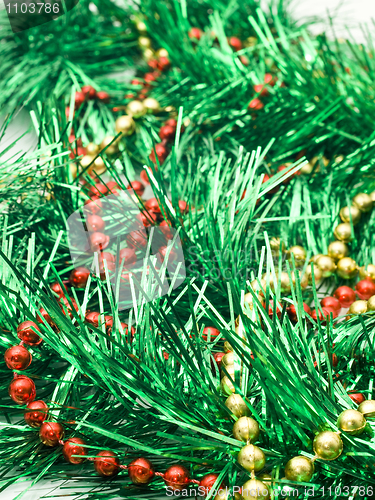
(113, 148)
(303, 279)
(136, 109)
(99, 166)
(307, 168)
(171, 109)
(372, 196)
(86, 160)
(125, 124)
(338, 250)
(343, 232)
(285, 284)
(229, 369)
(228, 359)
(318, 273)
(250, 41)
(162, 53)
(328, 445)
(358, 307)
(255, 490)
(351, 421)
(327, 265)
(363, 201)
(355, 213)
(347, 268)
(367, 272)
(275, 246)
(315, 258)
(371, 303)
(227, 347)
(246, 429)
(251, 458)
(237, 406)
(144, 42)
(299, 469)
(268, 480)
(367, 408)
(152, 105)
(255, 285)
(226, 386)
(141, 27)
(92, 149)
(299, 254)
(148, 54)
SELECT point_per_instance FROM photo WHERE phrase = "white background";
(347, 14)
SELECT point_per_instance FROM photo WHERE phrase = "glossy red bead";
(92, 317)
(207, 482)
(74, 446)
(177, 477)
(27, 332)
(22, 390)
(210, 331)
(167, 133)
(141, 471)
(94, 206)
(255, 104)
(357, 397)
(103, 96)
(235, 43)
(88, 92)
(331, 303)
(79, 99)
(17, 357)
(95, 223)
(65, 304)
(138, 187)
(365, 289)
(161, 153)
(137, 239)
(36, 413)
(98, 241)
(128, 255)
(195, 33)
(322, 317)
(345, 295)
(58, 289)
(292, 312)
(218, 356)
(183, 206)
(44, 314)
(107, 464)
(79, 276)
(51, 433)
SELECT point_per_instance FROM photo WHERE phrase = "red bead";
(148, 219)
(94, 205)
(345, 295)
(166, 230)
(36, 413)
(171, 122)
(152, 205)
(98, 241)
(137, 239)
(331, 303)
(271, 308)
(150, 77)
(58, 289)
(72, 447)
(95, 223)
(92, 318)
(195, 33)
(161, 153)
(218, 356)
(79, 99)
(17, 357)
(207, 482)
(79, 276)
(365, 289)
(88, 92)
(51, 433)
(111, 266)
(26, 333)
(260, 88)
(103, 96)
(268, 78)
(163, 63)
(107, 464)
(167, 133)
(235, 43)
(183, 206)
(129, 255)
(22, 390)
(65, 304)
(322, 317)
(138, 187)
(163, 253)
(335, 360)
(44, 314)
(136, 81)
(283, 168)
(357, 397)
(292, 312)
(141, 471)
(255, 104)
(144, 177)
(212, 331)
(79, 151)
(98, 189)
(177, 477)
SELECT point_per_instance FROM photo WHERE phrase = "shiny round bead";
(27, 332)
(51, 433)
(74, 446)
(35, 414)
(17, 357)
(22, 390)
(107, 464)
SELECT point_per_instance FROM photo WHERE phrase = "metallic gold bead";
(228, 359)
(226, 385)
(303, 279)
(268, 480)
(363, 201)
(315, 258)
(255, 490)
(256, 287)
(358, 307)
(285, 284)
(136, 109)
(144, 42)
(299, 469)
(367, 408)
(228, 369)
(338, 250)
(372, 196)
(170, 109)
(371, 303)
(141, 27)
(246, 429)
(367, 272)
(162, 53)
(227, 347)
(125, 124)
(251, 458)
(87, 160)
(328, 445)
(113, 148)
(327, 265)
(250, 41)
(318, 273)
(99, 166)
(237, 406)
(92, 149)
(353, 211)
(152, 105)
(299, 254)
(343, 232)
(351, 421)
(347, 268)
(148, 54)
(307, 168)
(276, 244)
(73, 170)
